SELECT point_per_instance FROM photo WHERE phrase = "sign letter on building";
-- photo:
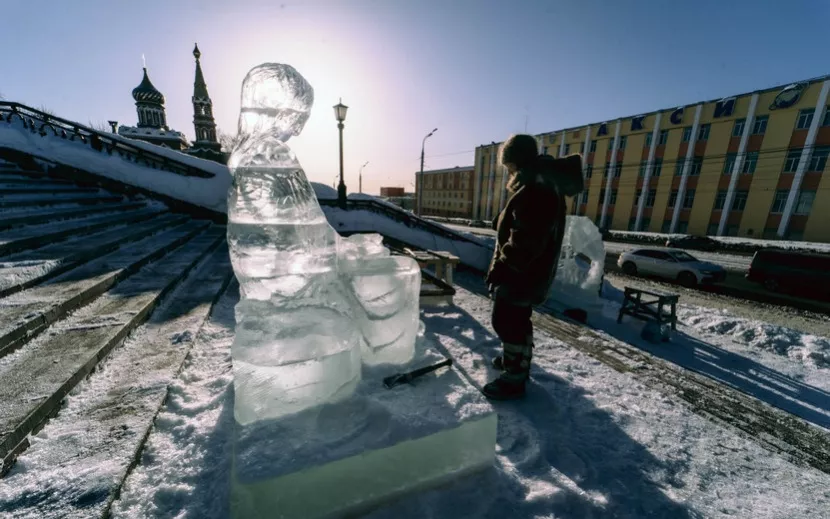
(603, 129)
(637, 123)
(676, 117)
(724, 107)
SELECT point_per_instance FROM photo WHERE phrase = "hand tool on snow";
(405, 378)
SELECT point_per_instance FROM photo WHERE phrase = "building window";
(678, 167)
(666, 226)
(589, 171)
(607, 170)
(825, 121)
(712, 229)
(613, 199)
(688, 199)
(602, 196)
(738, 129)
(658, 167)
(703, 132)
(791, 164)
(819, 158)
(805, 117)
(593, 147)
(664, 137)
(720, 199)
(697, 165)
(623, 141)
(648, 140)
(482, 162)
(652, 195)
(567, 150)
(729, 163)
(645, 223)
(739, 202)
(750, 162)
(805, 202)
(618, 170)
(585, 196)
(673, 198)
(611, 144)
(643, 168)
(687, 134)
(779, 201)
(631, 223)
(682, 227)
(759, 127)
(544, 150)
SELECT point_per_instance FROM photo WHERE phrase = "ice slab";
(581, 267)
(347, 458)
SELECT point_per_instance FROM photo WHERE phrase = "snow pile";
(728, 242)
(324, 192)
(210, 193)
(809, 349)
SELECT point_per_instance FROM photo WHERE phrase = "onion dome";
(146, 92)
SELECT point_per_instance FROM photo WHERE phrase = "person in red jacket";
(530, 230)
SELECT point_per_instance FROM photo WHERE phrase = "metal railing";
(49, 126)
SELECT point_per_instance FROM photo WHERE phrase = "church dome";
(146, 92)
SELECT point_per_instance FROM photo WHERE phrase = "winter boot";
(516, 364)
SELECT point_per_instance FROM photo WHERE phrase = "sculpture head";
(276, 99)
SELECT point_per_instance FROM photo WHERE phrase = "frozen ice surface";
(581, 266)
(313, 305)
(340, 460)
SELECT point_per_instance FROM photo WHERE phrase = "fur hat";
(520, 149)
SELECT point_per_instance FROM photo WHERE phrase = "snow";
(210, 193)
(587, 442)
(473, 252)
(324, 192)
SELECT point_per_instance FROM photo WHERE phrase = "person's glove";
(499, 274)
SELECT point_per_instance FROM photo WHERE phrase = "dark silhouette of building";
(206, 145)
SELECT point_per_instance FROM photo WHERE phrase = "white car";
(670, 264)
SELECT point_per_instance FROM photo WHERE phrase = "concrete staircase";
(80, 270)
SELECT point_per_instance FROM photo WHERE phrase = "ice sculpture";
(311, 304)
(581, 265)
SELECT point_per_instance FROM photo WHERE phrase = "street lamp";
(340, 115)
(421, 176)
(360, 177)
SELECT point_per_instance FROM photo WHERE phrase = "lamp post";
(340, 115)
(360, 177)
(421, 176)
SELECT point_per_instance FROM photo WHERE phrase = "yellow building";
(446, 192)
(750, 165)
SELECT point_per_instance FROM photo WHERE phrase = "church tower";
(203, 111)
(149, 103)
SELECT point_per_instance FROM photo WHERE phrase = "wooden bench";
(650, 306)
(443, 262)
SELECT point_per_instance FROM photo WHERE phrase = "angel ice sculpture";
(313, 306)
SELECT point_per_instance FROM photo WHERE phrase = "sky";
(478, 70)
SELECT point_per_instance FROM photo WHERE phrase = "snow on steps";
(39, 375)
(46, 199)
(35, 236)
(24, 315)
(112, 413)
(53, 215)
(24, 269)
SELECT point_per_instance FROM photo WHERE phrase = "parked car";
(670, 264)
(703, 243)
(790, 271)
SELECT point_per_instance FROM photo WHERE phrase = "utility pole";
(421, 175)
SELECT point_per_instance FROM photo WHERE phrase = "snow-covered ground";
(587, 442)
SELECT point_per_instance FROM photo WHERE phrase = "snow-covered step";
(33, 236)
(46, 199)
(18, 218)
(37, 378)
(20, 188)
(26, 314)
(31, 177)
(105, 423)
(25, 269)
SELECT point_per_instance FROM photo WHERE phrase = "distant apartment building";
(447, 192)
(392, 191)
(750, 165)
